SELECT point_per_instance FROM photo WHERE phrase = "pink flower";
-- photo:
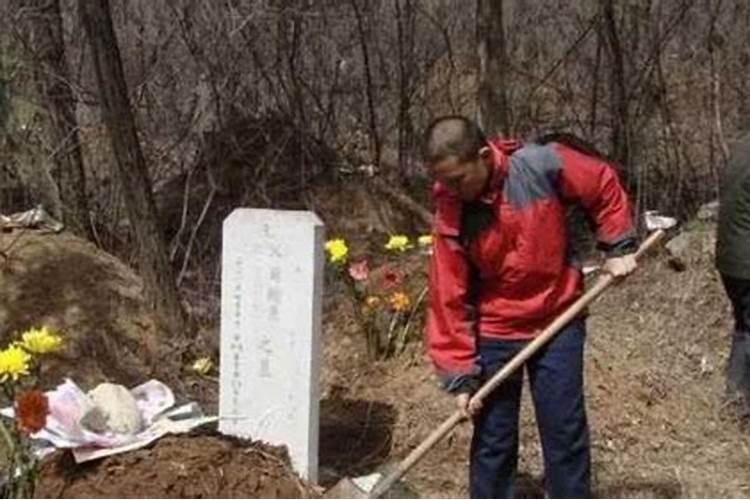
(359, 271)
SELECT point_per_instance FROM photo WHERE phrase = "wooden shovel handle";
(519, 359)
(604, 281)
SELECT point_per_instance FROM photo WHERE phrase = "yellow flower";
(372, 301)
(398, 243)
(400, 301)
(202, 366)
(425, 240)
(14, 362)
(337, 251)
(40, 341)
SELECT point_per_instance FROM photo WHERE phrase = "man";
(501, 270)
(733, 263)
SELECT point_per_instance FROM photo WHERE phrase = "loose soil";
(201, 466)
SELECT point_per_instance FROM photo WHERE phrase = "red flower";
(392, 278)
(32, 408)
(359, 271)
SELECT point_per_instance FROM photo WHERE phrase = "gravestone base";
(271, 289)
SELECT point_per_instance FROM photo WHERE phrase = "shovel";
(376, 485)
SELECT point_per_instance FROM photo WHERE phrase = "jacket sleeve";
(594, 184)
(450, 336)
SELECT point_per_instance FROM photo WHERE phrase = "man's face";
(466, 179)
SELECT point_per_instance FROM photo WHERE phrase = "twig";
(391, 327)
(94, 232)
(365, 427)
(183, 218)
(193, 234)
(407, 327)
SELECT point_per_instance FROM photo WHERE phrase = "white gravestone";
(271, 289)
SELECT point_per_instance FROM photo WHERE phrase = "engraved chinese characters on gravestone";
(271, 288)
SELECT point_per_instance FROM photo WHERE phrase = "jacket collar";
(500, 149)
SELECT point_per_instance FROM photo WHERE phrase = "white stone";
(271, 291)
(114, 404)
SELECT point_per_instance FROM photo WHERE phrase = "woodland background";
(142, 123)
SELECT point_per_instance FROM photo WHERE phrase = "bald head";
(455, 136)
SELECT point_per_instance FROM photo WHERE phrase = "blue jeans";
(556, 380)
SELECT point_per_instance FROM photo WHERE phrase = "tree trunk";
(405, 28)
(494, 113)
(158, 275)
(44, 34)
(620, 135)
(744, 105)
(368, 79)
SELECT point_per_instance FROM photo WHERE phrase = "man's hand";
(620, 266)
(467, 406)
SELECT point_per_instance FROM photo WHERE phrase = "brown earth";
(201, 466)
(656, 352)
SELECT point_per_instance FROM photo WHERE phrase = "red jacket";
(517, 273)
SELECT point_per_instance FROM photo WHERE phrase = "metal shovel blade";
(366, 487)
(359, 487)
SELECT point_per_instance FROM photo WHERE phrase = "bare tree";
(620, 121)
(657, 89)
(42, 37)
(494, 112)
(363, 20)
(405, 28)
(714, 41)
(133, 174)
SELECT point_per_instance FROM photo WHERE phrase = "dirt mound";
(91, 297)
(200, 466)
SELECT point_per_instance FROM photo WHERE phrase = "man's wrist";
(621, 248)
(464, 384)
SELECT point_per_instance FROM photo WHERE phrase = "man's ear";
(485, 153)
